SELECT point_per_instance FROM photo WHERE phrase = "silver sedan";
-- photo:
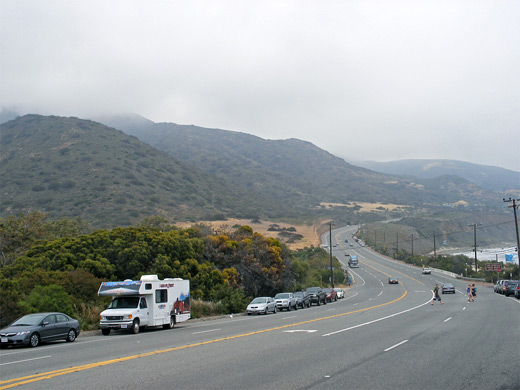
(261, 305)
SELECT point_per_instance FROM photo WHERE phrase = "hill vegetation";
(77, 168)
(294, 171)
(62, 271)
(489, 177)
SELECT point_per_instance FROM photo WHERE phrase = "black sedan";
(392, 280)
(33, 329)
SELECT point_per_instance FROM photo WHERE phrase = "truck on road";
(145, 302)
(353, 262)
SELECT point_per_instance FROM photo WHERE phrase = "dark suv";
(303, 299)
(318, 296)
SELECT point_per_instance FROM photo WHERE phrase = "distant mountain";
(293, 171)
(70, 167)
(490, 177)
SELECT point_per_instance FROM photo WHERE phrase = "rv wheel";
(135, 327)
(171, 324)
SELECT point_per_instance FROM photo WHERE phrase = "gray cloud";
(380, 80)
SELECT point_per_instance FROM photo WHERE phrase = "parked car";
(427, 271)
(393, 280)
(261, 305)
(33, 329)
(286, 301)
(517, 291)
(332, 296)
(505, 286)
(317, 295)
(448, 288)
(498, 285)
(340, 292)
(510, 288)
(303, 299)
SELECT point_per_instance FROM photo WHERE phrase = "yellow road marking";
(51, 374)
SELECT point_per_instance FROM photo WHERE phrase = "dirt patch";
(309, 232)
(367, 207)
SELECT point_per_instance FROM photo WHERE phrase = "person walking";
(436, 296)
(473, 292)
(469, 292)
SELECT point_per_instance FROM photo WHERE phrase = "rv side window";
(161, 296)
(148, 286)
(143, 305)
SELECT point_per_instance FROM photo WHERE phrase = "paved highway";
(380, 336)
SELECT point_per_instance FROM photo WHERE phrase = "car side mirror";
(45, 323)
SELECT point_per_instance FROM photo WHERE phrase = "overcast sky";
(364, 80)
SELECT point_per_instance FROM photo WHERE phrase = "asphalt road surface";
(380, 336)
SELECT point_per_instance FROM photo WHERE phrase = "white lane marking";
(379, 293)
(355, 304)
(447, 319)
(206, 331)
(300, 330)
(352, 296)
(377, 320)
(286, 318)
(359, 276)
(394, 346)
(331, 309)
(464, 308)
(26, 360)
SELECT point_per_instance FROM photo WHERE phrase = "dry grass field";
(309, 232)
(367, 207)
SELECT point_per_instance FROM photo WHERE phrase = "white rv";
(145, 302)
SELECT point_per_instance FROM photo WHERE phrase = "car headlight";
(127, 317)
(22, 333)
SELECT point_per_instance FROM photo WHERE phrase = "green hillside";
(79, 168)
(295, 171)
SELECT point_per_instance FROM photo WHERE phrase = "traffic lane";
(23, 361)
(455, 349)
(283, 359)
(139, 344)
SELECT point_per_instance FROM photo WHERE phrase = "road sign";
(494, 267)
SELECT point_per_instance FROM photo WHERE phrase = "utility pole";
(412, 244)
(330, 255)
(397, 246)
(516, 226)
(475, 241)
(434, 247)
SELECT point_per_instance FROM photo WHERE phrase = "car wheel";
(135, 327)
(296, 306)
(71, 336)
(275, 310)
(34, 341)
(105, 332)
(171, 324)
(319, 302)
(265, 311)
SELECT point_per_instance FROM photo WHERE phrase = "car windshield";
(298, 294)
(448, 285)
(327, 289)
(282, 295)
(29, 319)
(313, 289)
(124, 303)
(259, 300)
